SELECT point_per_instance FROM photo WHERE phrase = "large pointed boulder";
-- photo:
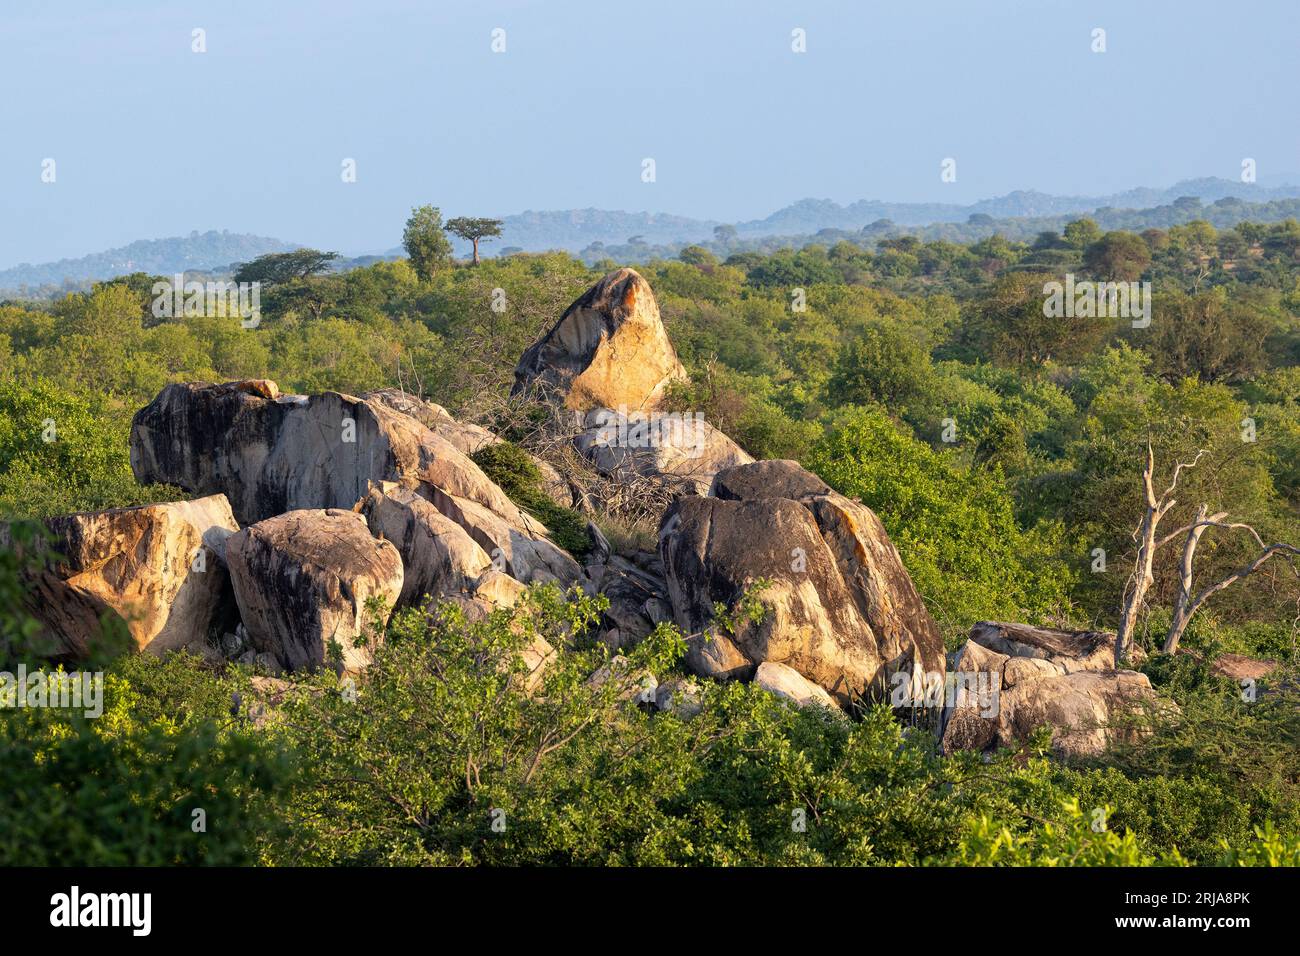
(609, 349)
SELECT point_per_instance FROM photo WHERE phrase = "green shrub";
(882, 364)
(119, 791)
(61, 452)
(954, 527)
(514, 470)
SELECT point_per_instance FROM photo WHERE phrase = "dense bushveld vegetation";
(437, 755)
(859, 363)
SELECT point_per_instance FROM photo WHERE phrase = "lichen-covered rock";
(609, 349)
(1239, 667)
(160, 568)
(635, 594)
(1066, 651)
(839, 607)
(303, 581)
(681, 696)
(466, 436)
(776, 478)
(1088, 710)
(272, 453)
(520, 547)
(497, 589)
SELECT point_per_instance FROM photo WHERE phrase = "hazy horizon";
(153, 140)
(1279, 181)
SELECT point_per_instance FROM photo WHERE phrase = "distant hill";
(597, 233)
(573, 229)
(1223, 213)
(812, 215)
(210, 251)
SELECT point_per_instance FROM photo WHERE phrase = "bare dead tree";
(1149, 540)
(1140, 581)
(1198, 528)
(417, 387)
(621, 494)
(1188, 604)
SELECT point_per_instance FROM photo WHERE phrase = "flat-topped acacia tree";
(474, 230)
(281, 267)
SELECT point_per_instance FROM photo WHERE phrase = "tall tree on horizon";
(474, 230)
(425, 243)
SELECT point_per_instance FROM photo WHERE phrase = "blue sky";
(151, 139)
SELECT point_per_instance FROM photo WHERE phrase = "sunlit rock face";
(609, 349)
(160, 568)
(304, 581)
(839, 607)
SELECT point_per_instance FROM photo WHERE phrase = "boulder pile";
(1010, 679)
(314, 517)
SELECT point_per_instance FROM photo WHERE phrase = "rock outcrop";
(681, 696)
(160, 568)
(1240, 668)
(272, 453)
(637, 595)
(1010, 679)
(839, 608)
(439, 558)
(522, 547)
(466, 436)
(609, 349)
(497, 589)
(1066, 651)
(680, 450)
(303, 581)
(789, 684)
